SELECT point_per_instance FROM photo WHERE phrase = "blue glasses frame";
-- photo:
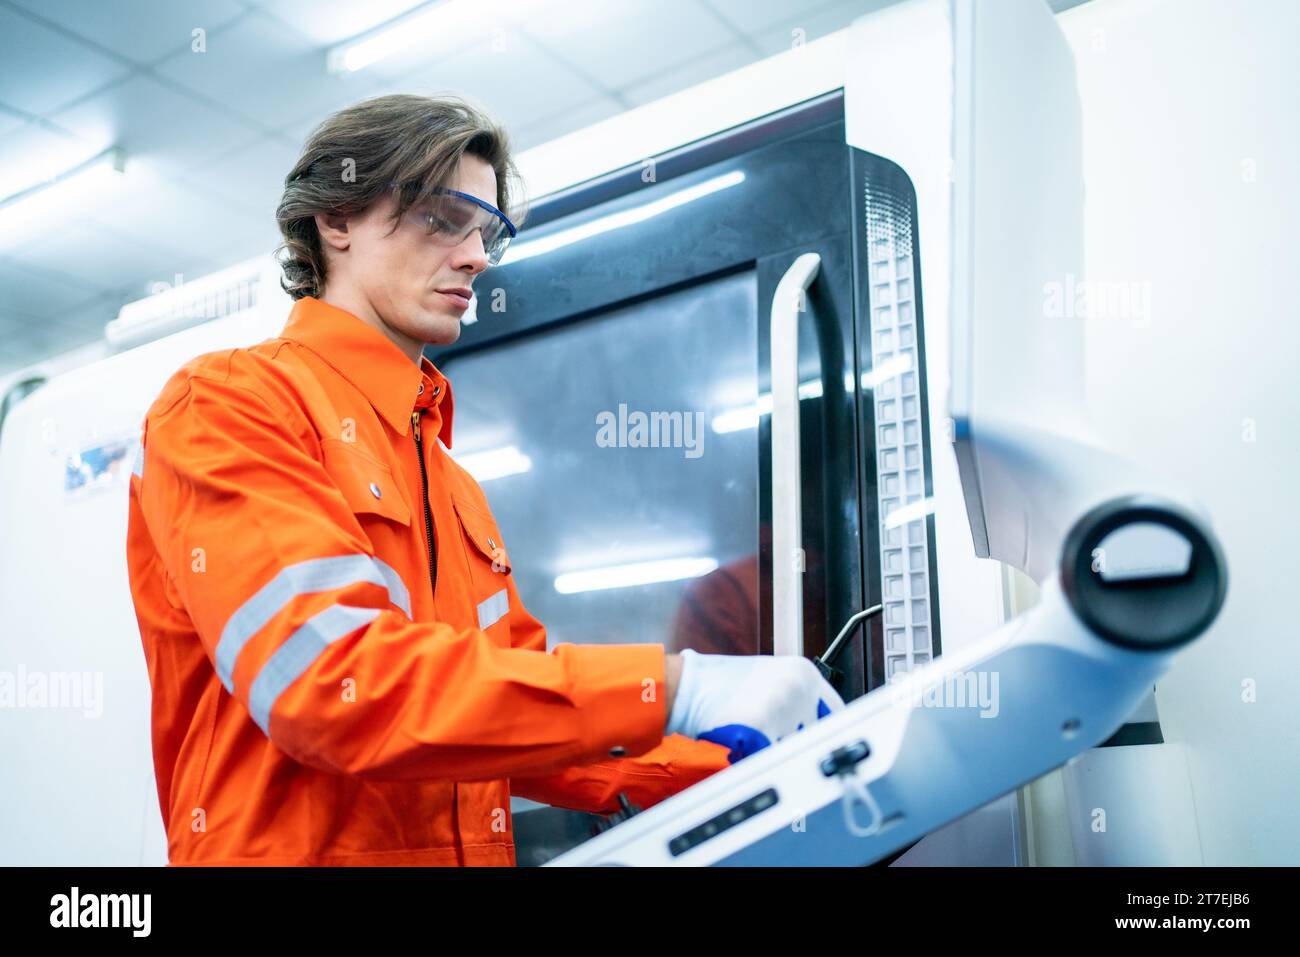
(488, 206)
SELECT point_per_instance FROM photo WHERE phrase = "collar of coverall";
(373, 363)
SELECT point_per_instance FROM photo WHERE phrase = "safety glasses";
(449, 216)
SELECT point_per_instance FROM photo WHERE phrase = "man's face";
(396, 276)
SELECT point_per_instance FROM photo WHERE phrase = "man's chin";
(439, 327)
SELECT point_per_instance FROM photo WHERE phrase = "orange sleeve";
(675, 764)
(311, 632)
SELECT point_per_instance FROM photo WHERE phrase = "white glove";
(746, 702)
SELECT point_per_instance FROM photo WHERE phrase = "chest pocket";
(488, 563)
(367, 484)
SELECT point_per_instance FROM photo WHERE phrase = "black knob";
(1152, 610)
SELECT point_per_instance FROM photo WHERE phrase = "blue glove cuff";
(739, 739)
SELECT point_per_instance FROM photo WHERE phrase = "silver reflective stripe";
(304, 578)
(297, 654)
(138, 467)
(397, 592)
(492, 610)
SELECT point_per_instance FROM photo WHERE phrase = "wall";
(1191, 147)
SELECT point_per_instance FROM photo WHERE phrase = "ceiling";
(209, 136)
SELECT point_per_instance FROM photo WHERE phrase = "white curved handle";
(787, 505)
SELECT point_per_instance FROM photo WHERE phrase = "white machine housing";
(1127, 576)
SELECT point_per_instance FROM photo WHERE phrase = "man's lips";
(457, 292)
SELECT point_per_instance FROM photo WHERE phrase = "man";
(342, 669)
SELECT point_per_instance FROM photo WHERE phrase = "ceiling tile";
(815, 24)
(261, 68)
(33, 153)
(252, 177)
(140, 30)
(28, 48)
(463, 26)
(13, 325)
(327, 22)
(731, 57)
(501, 81)
(624, 43)
(752, 16)
(568, 121)
(29, 291)
(10, 120)
(298, 132)
(187, 219)
(102, 257)
(157, 125)
(556, 125)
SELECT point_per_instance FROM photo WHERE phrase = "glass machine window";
(620, 457)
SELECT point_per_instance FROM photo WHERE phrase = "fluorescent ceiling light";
(909, 513)
(524, 249)
(747, 416)
(64, 191)
(494, 463)
(437, 28)
(641, 573)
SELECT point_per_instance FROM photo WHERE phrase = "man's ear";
(333, 229)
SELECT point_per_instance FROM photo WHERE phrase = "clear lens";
(449, 219)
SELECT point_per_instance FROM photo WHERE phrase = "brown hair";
(413, 144)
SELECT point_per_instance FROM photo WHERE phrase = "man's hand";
(744, 702)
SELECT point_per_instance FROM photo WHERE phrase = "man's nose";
(471, 252)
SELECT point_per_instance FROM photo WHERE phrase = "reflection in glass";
(636, 521)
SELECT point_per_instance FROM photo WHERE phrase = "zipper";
(428, 516)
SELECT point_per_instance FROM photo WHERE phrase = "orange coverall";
(315, 699)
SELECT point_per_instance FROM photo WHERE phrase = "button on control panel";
(716, 825)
